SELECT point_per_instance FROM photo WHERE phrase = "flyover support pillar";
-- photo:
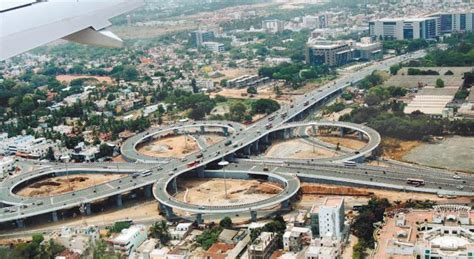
(266, 139)
(255, 147)
(118, 200)
(88, 209)
(199, 218)
(247, 150)
(290, 133)
(54, 216)
(360, 135)
(341, 132)
(20, 223)
(168, 211)
(314, 130)
(200, 171)
(253, 215)
(226, 131)
(174, 185)
(203, 129)
(285, 204)
(148, 191)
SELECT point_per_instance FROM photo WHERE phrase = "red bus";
(416, 182)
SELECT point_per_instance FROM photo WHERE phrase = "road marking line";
(109, 185)
(51, 200)
(253, 167)
(274, 169)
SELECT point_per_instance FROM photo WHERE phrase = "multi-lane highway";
(163, 172)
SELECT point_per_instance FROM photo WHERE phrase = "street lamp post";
(224, 163)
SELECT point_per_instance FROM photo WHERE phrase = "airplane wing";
(27, 24)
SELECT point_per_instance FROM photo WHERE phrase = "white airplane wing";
(27, 24)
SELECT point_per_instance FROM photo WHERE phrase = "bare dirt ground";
(213, 139)
(348, 141)
(312, 190)
(235, 72)
(175, 146)
(263, 93)
(135, 32)
(211, 191)
(69, 78)
(62, 184)
(397, 149)
(297, 149)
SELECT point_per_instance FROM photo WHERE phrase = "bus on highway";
(350, 163)
(416, 182)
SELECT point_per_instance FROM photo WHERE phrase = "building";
(295, 238)
(214, 46)
(405, 28)
(324, 248)
(263, 246)
(331, 53)
(273, 26)
(200, 36)
(181, 231)
(129, 239)
(144, 251)
(368, 50)
(7, 164)
(247, 81)
(78, 240)
(331, 217)
(455, 22)
(446, 231)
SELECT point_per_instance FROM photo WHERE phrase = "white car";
(456, 176)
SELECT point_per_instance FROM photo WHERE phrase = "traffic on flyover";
(159, 174)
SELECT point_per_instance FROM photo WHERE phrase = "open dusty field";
(175, 146)
(455, 153)
(397, 149)
(69, 78)
(213, 139)
(297, 149)
(211, 191)
(313, 191)
(263, 93)
(62, 184)
(348, 141)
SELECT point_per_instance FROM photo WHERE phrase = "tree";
(105, 150)
(119, 226)
(237, 111)
(160, 231)
(439, 83)
(50, 155)
(226, 222)
(265, 106)
(220, 99)
(252, 90)
(194, 86)
(394, 69)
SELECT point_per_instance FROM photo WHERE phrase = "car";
(460, 187)
(456, 176)
(135, 175)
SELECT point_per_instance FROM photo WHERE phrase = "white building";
(331, 217)
(214, 46)
(130, 238)
(325, 248)
(7, 164)
(78, 240)
(181, 231)
(273, 26)
(405, 28)
(295, 238)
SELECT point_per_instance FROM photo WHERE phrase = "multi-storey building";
(273, 26)
(129, 239)
(405, 28)
(198, 37)
(331, 217)
(331, 53)
(263, 246)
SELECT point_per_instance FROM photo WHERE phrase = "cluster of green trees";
(160, 231)
(209, 236)
(403, 46)
(418, 72)
(277, 225)
(459, 53)
(408, 127)
(363, 225)
(197, 105)
(294, 73)
(37, 248)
